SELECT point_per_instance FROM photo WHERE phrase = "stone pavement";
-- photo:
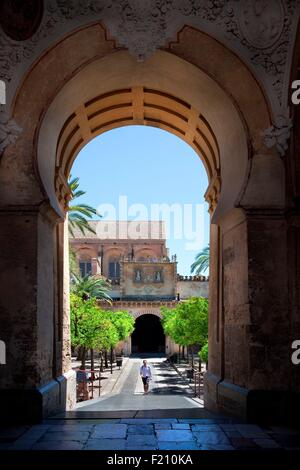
(152, 434)
(168, 391)
(108, 380)
(169, 418)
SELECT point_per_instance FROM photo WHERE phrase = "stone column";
(94, 266)
(31, 383)
(215, 361)
(250, 370)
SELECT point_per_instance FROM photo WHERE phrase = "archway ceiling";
(139, 106)
(166, 92)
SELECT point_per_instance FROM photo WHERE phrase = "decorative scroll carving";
(62, 188)
(140, 26)
(213, 192)
(9, 132)
(278, 134)
(261, 31)
(261, 22)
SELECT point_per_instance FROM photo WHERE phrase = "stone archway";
(148, 336)
(199, 99)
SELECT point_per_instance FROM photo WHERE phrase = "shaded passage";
(148, 335)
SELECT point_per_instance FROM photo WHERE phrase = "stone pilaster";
(256, 379)
(33, 381)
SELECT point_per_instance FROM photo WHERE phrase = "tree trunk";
(105, 359)
(111, 360)
(79, 353)
(101, 361)
(92, 364)
(83, 355)
(92, 359)
(192, 353)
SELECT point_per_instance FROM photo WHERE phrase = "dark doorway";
(148, 335)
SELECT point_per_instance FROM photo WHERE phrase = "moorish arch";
(139, 313)
(214, 103)
(148, 335)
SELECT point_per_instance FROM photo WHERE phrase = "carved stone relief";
(20, 20)
(261, 22)
(278, 135)
(9, 132)
(260, 31)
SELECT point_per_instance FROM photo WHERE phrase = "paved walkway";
(169, 393)
(172, 420)
(150, 434)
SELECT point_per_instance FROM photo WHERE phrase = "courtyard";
(169, 418)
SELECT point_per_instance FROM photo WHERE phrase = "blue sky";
(149, 166)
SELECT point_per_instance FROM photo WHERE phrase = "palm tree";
(79, 213)
(201, 263)
(90, 286)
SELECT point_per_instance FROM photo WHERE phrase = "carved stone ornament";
(19, 19)
(139, 26)
(9, 132)
(261, 32)
(279, 134)
(261, 21)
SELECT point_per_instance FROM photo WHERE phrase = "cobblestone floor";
(149, 434)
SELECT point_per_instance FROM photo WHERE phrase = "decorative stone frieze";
(9, 132)
(262, 33)
(278, 135)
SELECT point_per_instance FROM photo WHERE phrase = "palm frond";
(201, 263)
(79, 214)
(78, 193)
(90, 286)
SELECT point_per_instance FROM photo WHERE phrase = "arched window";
(114, 269)
(85, 267)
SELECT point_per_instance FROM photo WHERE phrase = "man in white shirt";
(145, 373)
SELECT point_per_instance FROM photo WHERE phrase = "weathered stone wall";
(187, 289)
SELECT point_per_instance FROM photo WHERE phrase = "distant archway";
(148, 335)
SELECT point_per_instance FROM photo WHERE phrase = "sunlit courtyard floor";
(169, 393)
(168, 418)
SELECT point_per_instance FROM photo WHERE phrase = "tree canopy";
(123, 322)
(187, 323)
(88, 287)
(94, 328)
(203, 353)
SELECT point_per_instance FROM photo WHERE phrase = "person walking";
(145, 373)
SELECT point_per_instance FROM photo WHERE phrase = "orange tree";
(187, 323)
